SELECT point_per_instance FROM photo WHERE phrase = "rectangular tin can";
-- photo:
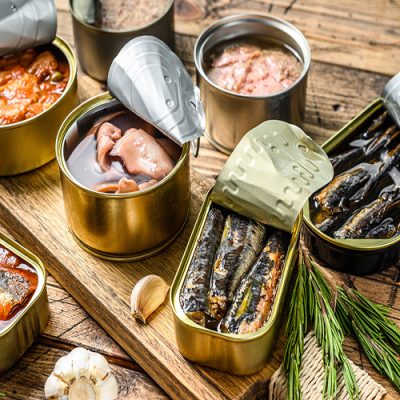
(29, 144)
(123, 227)
(242, 354)
(223, 131)
(25, 327)
(296, 167)
(353, 256)
(98, 47)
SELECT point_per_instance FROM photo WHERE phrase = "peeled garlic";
(81, 375)
(147, 295)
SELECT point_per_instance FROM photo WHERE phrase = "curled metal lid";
(26, 23)
(391, 98)
(151, 81)
(271, 174)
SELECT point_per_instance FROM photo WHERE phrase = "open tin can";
(294, 167)
(353, 256)
(19, 333)
(223, 131)
(29, 144)
(150, 84)
(97, 47)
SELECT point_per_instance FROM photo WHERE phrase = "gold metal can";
(296, 166)
(242, 354)
(122, 227)
(29, 144)
(353, 256)
(23, 329)
(97, 47)
(223, 131)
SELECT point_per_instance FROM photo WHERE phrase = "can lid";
(271, 174)
(26, 23)
(391, 98)
(150, 80)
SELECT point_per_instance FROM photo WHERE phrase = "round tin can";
(230, 115)
(352, 256)
(29, 144)
(122, 227)
(23, 329)
(98, 47)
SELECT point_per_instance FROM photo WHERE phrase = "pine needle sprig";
(296, 329)
(375, 333)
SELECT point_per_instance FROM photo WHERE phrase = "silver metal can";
(230, 115)
(97, 47)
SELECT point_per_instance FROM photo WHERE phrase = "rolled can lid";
(391, 98)
(271, 174)
(151, 81)
(26, 23)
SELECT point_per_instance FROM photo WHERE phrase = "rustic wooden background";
(355, 49)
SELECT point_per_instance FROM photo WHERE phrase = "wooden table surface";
(355, 49)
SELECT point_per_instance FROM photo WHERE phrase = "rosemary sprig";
(295, 330)
(375, 332)
(329, 335)
(311, 301)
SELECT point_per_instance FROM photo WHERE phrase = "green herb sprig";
(311, 301)
(376, 333)
(336, 311)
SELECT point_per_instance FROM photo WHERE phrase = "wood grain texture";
(355, 46)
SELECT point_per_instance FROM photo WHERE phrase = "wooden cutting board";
(31, 208)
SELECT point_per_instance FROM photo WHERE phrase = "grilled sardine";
(194, 293)
(242, 240)
(255, 296)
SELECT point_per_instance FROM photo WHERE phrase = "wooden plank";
(103, 288)
(363, 34)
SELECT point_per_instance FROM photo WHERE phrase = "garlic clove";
(98, 367)
(63, 369)
(147, 295)
(55, 388)
(81, 375)
(107, 388)
(80, 362)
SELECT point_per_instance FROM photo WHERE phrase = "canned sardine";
(254, 67)
(353, 223)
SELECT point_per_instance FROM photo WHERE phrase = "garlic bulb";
(81, 375)
(147, 295)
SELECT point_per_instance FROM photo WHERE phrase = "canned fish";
(223, 54)
(229, 290)
(28, 130)
(352, 224)
(102, 29)
(24, 312)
